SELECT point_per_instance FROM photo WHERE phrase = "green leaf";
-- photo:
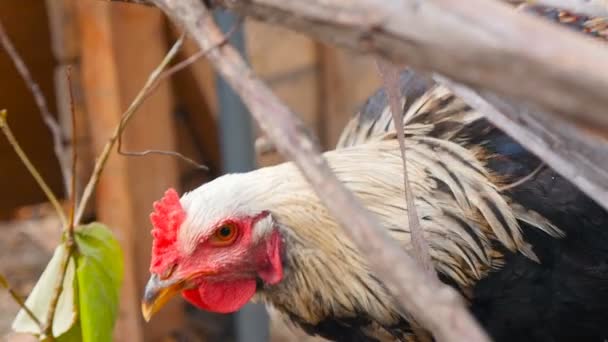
(99, 271)
(40, 298)
(72, 335)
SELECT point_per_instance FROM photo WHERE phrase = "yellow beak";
(157, 294)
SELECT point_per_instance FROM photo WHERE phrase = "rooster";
(525, 248)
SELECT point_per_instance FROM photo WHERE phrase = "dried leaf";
(39, 299)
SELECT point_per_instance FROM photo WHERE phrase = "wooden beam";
(120, 46)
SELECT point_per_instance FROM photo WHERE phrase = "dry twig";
(390, 76)
(564, 147)
(595, 8)
(201, 53)
(155, 77)
(436, 306)
(442, 34)
(69, 230)
(4, 127)
(141, 96)
(160, 152)
(19, 300)
(40, 100)
(562, 68)
(166, 74)
(48, 326)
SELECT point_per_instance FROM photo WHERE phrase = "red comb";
(167, 217)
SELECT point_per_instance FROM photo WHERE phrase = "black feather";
(565, 297)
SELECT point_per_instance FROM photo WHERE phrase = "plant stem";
(40, 101)
(48, 327)
(141, 96)
(390, 76)
(30, 167)
(19, 300)
(70, 243)
(74, 158)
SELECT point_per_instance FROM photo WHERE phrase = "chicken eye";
(225, 234)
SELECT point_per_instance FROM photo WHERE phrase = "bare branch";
(166, 74)
(493, 46)
(50, 318)
(138, 2)
(70, 243)
(434, 305)
(595, 8)
(562, 69)
(141, 96)
(390, 76)
(188, 61)
(73, 174)
(264, 146)
(163, 153)
(19, 300)
(578, 156)
(40, 100)
(8, 133)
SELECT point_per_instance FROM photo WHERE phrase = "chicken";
(531, 259)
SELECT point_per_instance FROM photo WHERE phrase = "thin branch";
(594, 8)
(141, 96)
(578, 156)
(163, 153)
(435, 305)
(30, 167)
(151, 84)
(19, 300)
(200, 53)
(167, 74)
(264, 146)
(70, 242)
(50, 318)
(40, 100)
(390, 77)
(441, 34)
(74, 156)
(138, 2)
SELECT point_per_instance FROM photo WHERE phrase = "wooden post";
(121, 44)
(294, 79)
(346, 80)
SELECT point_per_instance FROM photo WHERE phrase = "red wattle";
(221, 297)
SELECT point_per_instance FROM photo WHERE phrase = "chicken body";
(531, 260)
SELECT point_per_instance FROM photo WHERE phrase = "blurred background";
(112, 48)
